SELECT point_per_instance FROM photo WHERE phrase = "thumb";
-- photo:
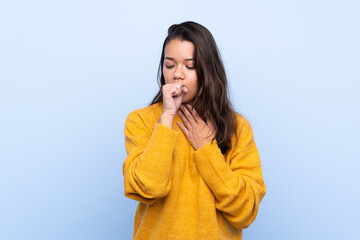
(185, 89)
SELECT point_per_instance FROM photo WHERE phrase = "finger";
(184, 119)
(178, 85)
(183, 128)
(188, 114)
(210, 124)
(184, 89)
(169, 89)
(177, 90)
(195, 114)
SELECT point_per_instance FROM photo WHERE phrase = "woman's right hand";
(173, 94)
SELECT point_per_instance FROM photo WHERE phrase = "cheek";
(194, 84)
(166, 77)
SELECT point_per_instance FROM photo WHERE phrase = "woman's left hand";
(196, 130)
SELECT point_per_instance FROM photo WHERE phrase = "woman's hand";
(173, 94)
(196, 130)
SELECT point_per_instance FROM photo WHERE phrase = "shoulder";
(147, 116)
(241, 122)
(244, 133)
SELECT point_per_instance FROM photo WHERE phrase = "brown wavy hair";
(212, 100)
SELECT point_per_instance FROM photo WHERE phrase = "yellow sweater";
(187, 194)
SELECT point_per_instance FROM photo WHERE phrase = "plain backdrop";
(71, 71)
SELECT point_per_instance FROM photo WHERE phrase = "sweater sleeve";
(238, 185)
(147, 168)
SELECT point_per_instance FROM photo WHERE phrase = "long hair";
(212, 100)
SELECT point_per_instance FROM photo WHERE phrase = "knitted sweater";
(187, 194)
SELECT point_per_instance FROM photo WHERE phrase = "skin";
(180, 90)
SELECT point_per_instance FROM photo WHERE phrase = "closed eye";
(172, 66)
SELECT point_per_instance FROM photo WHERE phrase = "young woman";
(192, 161)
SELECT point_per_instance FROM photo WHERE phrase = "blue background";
(71, 71)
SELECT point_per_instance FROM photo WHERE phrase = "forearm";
(238, 189)
(148, 171)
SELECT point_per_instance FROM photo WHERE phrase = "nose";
(179, 73)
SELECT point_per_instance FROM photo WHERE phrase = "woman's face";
(179, 66)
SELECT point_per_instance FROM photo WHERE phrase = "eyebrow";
(188, 59)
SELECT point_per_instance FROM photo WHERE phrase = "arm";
(147, 168)
(238, 185)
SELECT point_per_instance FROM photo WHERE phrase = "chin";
(187, 101)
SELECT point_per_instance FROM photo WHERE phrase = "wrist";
(198, 146)
(166, 119)
(202, 144)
